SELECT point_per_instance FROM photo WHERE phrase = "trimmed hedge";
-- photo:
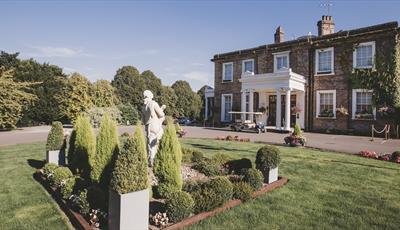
(254, 178)
(106, 148)
(60, 176)
(268, 157)
(242, 191)
(55, 139)
(167, 164)
(179, 206)
(166, 190)
(130, 170)
(48, 169)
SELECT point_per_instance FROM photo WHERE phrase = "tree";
(106, 147)
(13, 96)
(76, 97)
(152, 83)
(9, 61)
(129, 114)
(189, 103)
(169, 98)
(129, 86)
(102, 94)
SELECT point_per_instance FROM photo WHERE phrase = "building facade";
(304, 81)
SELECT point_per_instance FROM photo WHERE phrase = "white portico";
(283, 90)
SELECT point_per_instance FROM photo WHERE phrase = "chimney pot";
(326, 25)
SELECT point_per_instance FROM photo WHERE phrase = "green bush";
(48, 169)
(297, 130)
(55, 139)
(71, 149)
(238, 166)
(60, 176)
(221, 158)
(207, 167)
(130, 170)
(97, 197)
(394, 157)
(254, 178)
(85, 146)
(106, 148)
(72, 185)
(166, 190)
(82, 203)
(223, 187)
(167, 164)
(129, 114)
(242, 191)
(196, 156)
(192, 185)
(123, 138)
(179, 206)
(97, 114)
(268, 157)
(191, 155)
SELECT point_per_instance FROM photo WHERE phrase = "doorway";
(272, 110)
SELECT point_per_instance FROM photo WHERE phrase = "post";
(278, 109)
(287, 110)
(372, 132)
(243, 105)
(251, 105)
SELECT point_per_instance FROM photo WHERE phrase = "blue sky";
(174, 39)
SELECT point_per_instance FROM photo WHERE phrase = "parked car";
(184, 121)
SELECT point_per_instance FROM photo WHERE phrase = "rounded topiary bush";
(72, 185)
(166, 190)
(268, 157)
(61, 174)
(223, 187)
(55, 139)
(48, 170)
(130, 170)
(179, 206)
(242, 191)
(254, 178)
(204, 200)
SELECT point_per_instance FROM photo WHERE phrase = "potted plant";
(342, 111)
(55, 144)
(296, 138)
(129, 193)
(267, 161)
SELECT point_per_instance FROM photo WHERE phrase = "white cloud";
(197, 76)
(48, 51)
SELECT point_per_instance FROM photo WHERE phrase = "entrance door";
(272, 110)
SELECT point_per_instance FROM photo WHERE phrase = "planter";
(56, 157)
(271, 176)
(128, 211)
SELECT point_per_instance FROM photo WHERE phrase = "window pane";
(326, 105)
(228, 107)
(248, 66)
(364, 56)
(363, 103)
(325, 61)
(282, 62)
(228, 72)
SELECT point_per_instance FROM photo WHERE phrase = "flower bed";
(295, 138)
(392, 157)
(233, 138)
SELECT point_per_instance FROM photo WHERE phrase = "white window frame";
(223, 71)
(243, 66)
(354, 104)
(372, 43)
(281, 54)
(319, 92)
(332, 61)
(223, 107)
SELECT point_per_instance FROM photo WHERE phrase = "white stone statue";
(152, 117)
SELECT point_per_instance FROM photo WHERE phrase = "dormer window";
(324, 61)
(364, 55)
(281, 61)
(248, 67)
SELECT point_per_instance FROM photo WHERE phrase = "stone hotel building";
(304, 81)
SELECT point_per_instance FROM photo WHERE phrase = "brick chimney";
(279, 35)
(326, 25)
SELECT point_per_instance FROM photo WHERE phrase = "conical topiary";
(55, 139)
(167, 165)
(130, 169)
(85, 145)
(106, 147)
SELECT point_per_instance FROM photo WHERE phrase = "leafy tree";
(13, 96)
(189, 103)
(130, 171)
(76, 98)
(102, 94)
(106, 147)
(167, 164)
(129, 86)
(9, 61)
(129, 113)
(96, 114)
(169, 98)
(152, 83)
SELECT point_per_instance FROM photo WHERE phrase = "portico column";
(287, 109)
(278, 109)
(243, 105)
(206, 109)
(251, 104)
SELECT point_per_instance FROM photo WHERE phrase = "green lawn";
(24, 203)
(325, 191)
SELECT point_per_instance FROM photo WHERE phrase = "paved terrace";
(337, 143)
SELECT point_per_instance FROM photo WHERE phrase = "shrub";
(80, 202)
(55, 139)
(123, 138)
(192, 185)
(191, 155)
(48, 170)
(179, 206)
(242, 191)
(130, 170)
(166, 190)
(61, 174)
(223, 187)
(85, 146)
(129, 114)
(167, 164)
(297, 130)
(395, 157)
(221, 158)
(254, 178)
(72, 185)
(238, 166)
(268, 157)
(96, 198)
(106, 148)
(71, 149)
(97, 114)
(207, 167)
(196, 156)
